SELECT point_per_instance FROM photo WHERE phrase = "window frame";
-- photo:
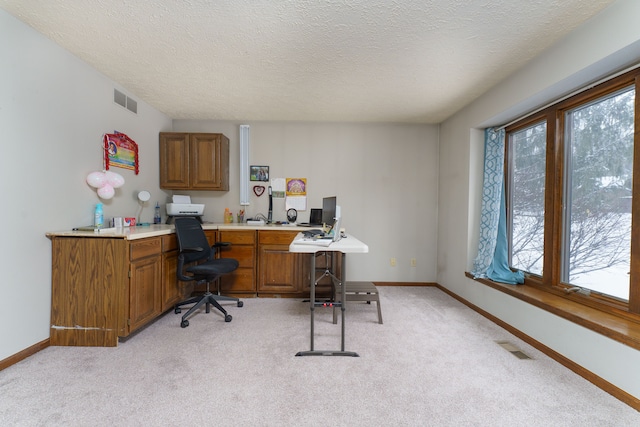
(554, 115)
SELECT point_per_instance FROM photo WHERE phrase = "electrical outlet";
(413, 262)
(393, 262)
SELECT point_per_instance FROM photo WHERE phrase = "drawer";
(245, 255)
(169, 243)
(211, 236)
(276, 237)
(238, 237)
(243, 279)
(145, 247)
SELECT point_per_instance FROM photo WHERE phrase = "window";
(597, 218)
(526, 180)
(569, 174)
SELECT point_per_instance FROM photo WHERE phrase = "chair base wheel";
(228, 318)
(240, 303)
(184, 323)
(177, 311)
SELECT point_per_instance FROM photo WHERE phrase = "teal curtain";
(492, 261)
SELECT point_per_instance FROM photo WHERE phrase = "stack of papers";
(96, 229)
(313, 242)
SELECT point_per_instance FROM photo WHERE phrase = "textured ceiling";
(413, 61)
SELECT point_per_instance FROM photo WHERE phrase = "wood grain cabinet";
(107, 287)
(267, 268)
(145, 277)
(242, 248)
(279, 271)
(89, 286)
(104, 288)
(194, 161)
(173, 291)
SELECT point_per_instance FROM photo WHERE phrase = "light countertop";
(347, 244)
(154, 230)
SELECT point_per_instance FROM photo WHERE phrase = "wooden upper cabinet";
(174, 160)
(194, 161)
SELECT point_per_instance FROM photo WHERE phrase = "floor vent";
(513, 350)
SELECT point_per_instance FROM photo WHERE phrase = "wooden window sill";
(624, 330)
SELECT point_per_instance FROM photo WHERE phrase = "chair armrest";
(193, 250)
(216, 247)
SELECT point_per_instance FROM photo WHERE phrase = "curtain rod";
(613, 76)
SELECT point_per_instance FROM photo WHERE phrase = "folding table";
(346, 245)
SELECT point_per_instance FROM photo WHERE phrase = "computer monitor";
(315, 218)
(328, 210)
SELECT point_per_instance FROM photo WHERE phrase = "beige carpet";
(434, 362)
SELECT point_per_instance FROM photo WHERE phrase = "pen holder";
(240, 219)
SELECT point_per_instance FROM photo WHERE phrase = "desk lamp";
(143, 197)
(270, 218)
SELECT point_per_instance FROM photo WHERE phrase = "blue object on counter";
(157, 219)
(98, 220)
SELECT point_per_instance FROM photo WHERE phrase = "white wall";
(607, 43)
(384, 176)
(54, 110)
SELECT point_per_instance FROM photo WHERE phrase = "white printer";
(182, 206)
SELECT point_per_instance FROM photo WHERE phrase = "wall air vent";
(132, 105)
(124, 101)
(120, 98)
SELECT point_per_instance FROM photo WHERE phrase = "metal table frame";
(346, 245)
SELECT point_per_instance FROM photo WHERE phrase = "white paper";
(298, 203)
(278, 186)
(183, 200)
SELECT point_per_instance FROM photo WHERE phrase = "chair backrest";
(192, 242)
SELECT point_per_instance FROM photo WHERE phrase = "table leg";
(343, 301)
(312, 304)
(312, 300)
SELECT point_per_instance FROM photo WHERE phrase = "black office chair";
(196, 261)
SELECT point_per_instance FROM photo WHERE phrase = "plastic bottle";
(157, 219)
(98, 221)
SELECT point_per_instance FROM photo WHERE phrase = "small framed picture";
(259, 173)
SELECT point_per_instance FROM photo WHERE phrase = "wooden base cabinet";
(278, 269)
(104, 288)
(145, 274)
(173, 291)
(267, 268)
(241, 282)
(90, 284)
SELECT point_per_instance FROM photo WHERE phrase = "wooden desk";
(107, 286)
(348, 244)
